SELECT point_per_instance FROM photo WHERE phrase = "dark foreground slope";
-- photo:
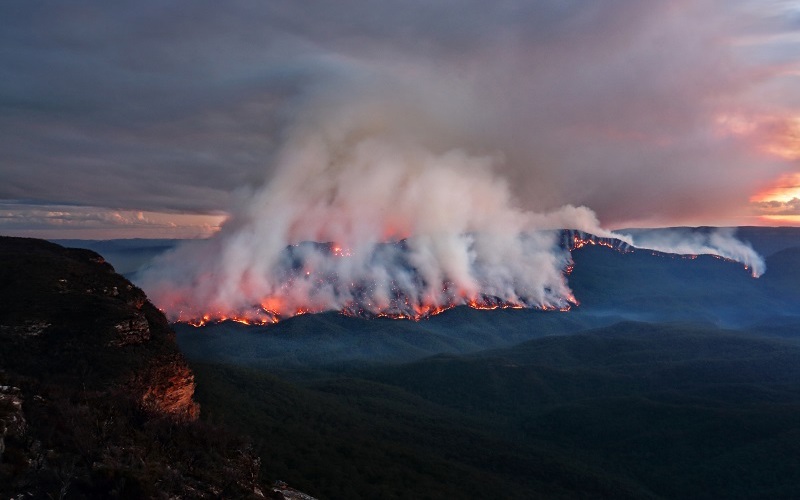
(95, 399)
(634, 410)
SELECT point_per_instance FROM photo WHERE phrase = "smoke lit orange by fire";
(273, 309)
(364, 299)
(374, 223)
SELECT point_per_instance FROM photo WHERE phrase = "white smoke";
(720, 242)
(372, 210)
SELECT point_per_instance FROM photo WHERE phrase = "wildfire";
(208, 319)
(398, 305)
(577, 240)
(263, 316)
(338, 251)
(366, 299)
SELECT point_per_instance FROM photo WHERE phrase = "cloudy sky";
(151, 118)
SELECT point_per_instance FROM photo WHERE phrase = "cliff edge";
(95, 398)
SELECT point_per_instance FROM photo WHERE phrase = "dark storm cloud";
(172, 106)
(132, 107)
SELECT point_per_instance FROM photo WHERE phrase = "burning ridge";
(397, 290)
(296, 266)
(574, 240)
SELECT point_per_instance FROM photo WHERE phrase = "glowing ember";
(577, 240)
(338, 251)
(260, 316)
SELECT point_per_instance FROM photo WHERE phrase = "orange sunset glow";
(780, 203)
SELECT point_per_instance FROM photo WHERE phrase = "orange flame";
(272, 309)
(266, 316)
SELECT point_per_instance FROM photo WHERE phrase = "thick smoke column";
(372, 211)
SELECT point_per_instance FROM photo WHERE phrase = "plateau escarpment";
(68, 319)
(95, 398)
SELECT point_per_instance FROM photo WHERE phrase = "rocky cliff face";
(95, 398)
(91, 326)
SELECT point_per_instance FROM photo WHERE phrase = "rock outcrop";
(131, 331)
(167, 389)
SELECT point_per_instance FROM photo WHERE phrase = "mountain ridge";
(609, 285)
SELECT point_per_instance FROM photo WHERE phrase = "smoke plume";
(720, 242)
(378, 206)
